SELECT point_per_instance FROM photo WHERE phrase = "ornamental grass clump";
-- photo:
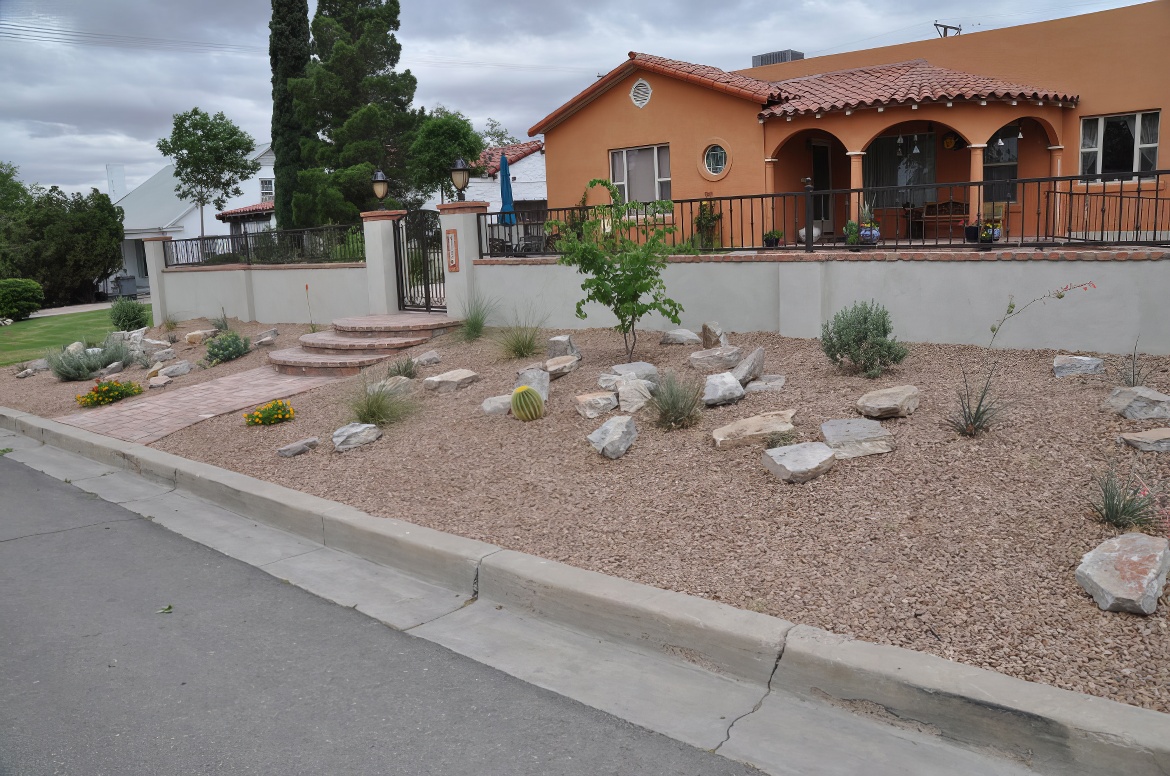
(107, 392)
(226, 347)
(270, 414)
(381, 408)
(403, 367)
(521, 337)
(129, 314)
(1123, 502)
(676, 402)
(476, 311)
(861, 335)
(82, 365)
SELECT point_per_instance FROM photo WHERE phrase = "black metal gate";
(419, 250)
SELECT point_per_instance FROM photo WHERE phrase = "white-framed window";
(1001, 162)
(1120, 145)
(715, 159)
(641, 174)
(267, 189)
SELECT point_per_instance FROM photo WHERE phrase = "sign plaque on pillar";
(451, 241)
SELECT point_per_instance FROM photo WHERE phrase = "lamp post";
(381, 188)
(460, 175)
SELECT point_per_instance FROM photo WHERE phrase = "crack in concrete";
(64, 530)
(289, 557)
(759, 703)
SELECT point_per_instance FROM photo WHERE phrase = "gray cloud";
(67, 110)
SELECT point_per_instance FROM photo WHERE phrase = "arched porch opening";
(820, 156)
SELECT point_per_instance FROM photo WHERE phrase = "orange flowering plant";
(107, 392)
(273, 412)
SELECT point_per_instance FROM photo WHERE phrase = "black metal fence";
(421, 277)
(325, 244)
(1039, 212)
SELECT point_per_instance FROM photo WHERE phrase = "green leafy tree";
(212, 157)
(624, 274)
(13, 194)
(496, 135)
(357, 109)
(443, 137)
(67, 243)
(288, 51)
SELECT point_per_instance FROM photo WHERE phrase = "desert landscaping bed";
(964, 548)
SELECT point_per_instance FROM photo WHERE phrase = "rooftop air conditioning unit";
(776, 57)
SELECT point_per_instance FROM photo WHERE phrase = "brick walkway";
(157, 414)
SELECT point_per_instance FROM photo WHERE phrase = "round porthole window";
(715, 159)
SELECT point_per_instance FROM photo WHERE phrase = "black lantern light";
(460, 176)
(381, 188)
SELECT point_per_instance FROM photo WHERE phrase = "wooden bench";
(943, 219)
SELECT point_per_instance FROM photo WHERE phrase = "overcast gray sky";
(87, 82)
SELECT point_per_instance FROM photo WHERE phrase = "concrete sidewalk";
(788, 699)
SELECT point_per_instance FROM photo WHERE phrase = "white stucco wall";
(528, 183)
(944, 302)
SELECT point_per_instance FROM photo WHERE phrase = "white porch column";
(155, 264)
(381, 259)
(460, 226)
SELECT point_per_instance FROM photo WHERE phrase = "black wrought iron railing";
(293, 246)
(1025, 212)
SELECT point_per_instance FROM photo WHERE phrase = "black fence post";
(808, 214)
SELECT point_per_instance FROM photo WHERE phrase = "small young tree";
(496, 135)
(443, 137)
(212, 157)
(625, 274)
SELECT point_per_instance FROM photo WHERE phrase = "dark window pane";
(1089, 128)
(616, 167)
(1118, 145)
(640, 179)
(664, 161)
(664, 190)
(995, 191)
(1088, 162)
(1149, 160)
(1008, 152)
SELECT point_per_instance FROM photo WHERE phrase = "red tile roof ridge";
(259, 207)
(489, 160)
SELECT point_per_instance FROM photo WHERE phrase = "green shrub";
(476, 311)
(1123, 502)
(220, 322)
(521, 337)
(226, 347)
(403, 367)
(129, 314)
(71, 367)
(20, 298)
(381, 408)
(677, 402)
(861, 334)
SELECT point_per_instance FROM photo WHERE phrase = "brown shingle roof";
(913, 81)
(489, 160)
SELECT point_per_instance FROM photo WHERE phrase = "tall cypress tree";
(357, 109)
(288, 51)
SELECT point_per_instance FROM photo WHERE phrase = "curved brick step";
(398, 325)
(298, 361)
(334, 343)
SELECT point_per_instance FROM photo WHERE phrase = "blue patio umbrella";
(507, 207)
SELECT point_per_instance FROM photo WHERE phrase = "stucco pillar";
(975, 201)
(1055, 169)
(155, 264)
(459, 222)
(770, 175)
(856, 181)
(1055, 160)
(381, 259)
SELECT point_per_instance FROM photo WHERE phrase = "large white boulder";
(594, 405)
(722, 388)
(799, 463)
(1126, 573)
(897, 402)
(633, 394)
(856, 437)
(680, 337)
(1139, 403)
(536, 379)
(753, 430)
(614, 437)
(751, 368)
(718, 359)
(562, 345)
(354, 435)
(450, 381)
(1064, 366)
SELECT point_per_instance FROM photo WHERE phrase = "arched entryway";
(821, 157)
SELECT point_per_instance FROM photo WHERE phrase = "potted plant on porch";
(852, 235)
(868, 231)
(772, 238)
(984, 231)
(706, 223)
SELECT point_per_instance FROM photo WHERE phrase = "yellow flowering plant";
(273, 412)
(107, 392)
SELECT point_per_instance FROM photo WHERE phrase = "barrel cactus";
(527, 404)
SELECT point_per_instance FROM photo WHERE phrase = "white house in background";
(526, 166)
(153, 209)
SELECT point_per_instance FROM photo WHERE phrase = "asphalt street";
(127, 649)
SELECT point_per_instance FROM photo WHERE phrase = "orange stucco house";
(905, 129)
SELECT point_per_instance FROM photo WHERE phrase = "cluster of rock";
(563, 358)
(730, 375)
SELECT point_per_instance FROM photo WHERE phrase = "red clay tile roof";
(258, 208)
(704, 75)
(489, 160)
(913, 81)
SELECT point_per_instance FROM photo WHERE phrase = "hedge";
(20, 298)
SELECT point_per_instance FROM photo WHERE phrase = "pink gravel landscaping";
(964, 548)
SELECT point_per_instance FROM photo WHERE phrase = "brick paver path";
(161, 412)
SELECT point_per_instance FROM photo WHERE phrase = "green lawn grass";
(27, 340)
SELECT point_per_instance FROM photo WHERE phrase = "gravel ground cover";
(961, 548)
(42, 394)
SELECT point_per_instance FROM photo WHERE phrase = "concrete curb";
(1053, 730)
